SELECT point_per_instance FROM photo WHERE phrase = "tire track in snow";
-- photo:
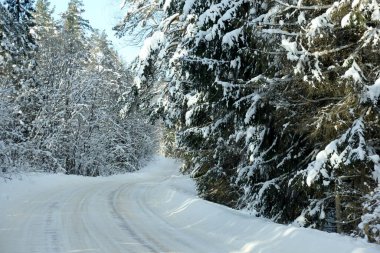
(114, 198)
(140, 195)
(82, 233)
(50, 232)
(63, 210)
(182, 238)
(170, 230)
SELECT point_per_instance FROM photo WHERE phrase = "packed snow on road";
(152, 210)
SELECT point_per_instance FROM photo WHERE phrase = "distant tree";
(45, 24)
(17, 84)
(83, 85)
(62, 92)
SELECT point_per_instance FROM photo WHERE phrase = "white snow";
(251, 112)
(376, 171)
(318, 24)
(231, 38)
(301, 18)
(150, 44)
(354, 72)
(188, 117)
(123, 3)
(317, 166)
(192, 99)
(291, 48)
(376, 12)
(355, 3)
(166, 4)
(188, 6)
(153, 210)
(346, 20)
(373, 92)
(334, 155)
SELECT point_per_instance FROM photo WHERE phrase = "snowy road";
(154, 210)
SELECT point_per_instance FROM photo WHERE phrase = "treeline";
(273, 105)
(62, 91)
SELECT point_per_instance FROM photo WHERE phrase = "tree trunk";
(338, 210)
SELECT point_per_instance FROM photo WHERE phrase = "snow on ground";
(153, 210)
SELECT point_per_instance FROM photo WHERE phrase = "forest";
(272, 105)
(62, 89)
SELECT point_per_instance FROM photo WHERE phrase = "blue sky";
(103, 15)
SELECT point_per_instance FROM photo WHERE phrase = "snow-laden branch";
(314, 7)
(204, 61)
(334, 50)
(278, 31)
(307, 100)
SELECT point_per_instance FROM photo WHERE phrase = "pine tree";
(340, 79)
(21, 10)
(140, 21)
(80, 127)
(45, 24)
(273, 104)
(17, 83)
(61, 107)
(72, 57)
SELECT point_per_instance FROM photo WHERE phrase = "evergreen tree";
(274, 105)
(79, 127)
(340, 82)
(49, 74)
(17, 84)
(21, 10)
(45, 24)
(72, 57)
(61, 106)
(141, 19)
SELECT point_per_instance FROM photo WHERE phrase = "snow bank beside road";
(240, 232)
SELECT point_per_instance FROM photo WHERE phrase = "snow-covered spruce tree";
(141, 20)
(202, 84)
(21, 10)
(45, 26)
(17, 84)
(274, 104)
(45, 35)
(220, 69)
(337, 64)
(124, 137)
(69, 109)
(22, 78)
(369, 226)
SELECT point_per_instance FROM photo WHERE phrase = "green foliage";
(274, 104)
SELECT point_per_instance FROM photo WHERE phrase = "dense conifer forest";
(62, 90)
(272, 105)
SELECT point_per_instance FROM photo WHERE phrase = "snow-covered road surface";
(154, 210)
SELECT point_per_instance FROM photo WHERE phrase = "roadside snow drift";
(153, 210)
